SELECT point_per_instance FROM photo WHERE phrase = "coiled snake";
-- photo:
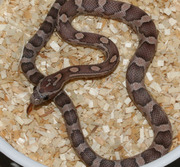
(50, 87)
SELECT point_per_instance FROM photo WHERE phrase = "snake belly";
(49, 87)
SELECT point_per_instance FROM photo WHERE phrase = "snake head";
(45, 90)
(37, 98)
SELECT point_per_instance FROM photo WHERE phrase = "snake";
(46, 88)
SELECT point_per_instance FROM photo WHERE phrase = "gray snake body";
(50, 87)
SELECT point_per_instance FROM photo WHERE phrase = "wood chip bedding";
(110, 121)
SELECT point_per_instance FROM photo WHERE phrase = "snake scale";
(50, 87)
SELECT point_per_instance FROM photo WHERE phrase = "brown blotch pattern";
(150, 155)
(27, 66)
(164, 138)
(90, 5)
(130, 162)
(107, 163)
(158, 117)
(88, 156)
(62, 100)
(69, 8)
(141, 97)
(77, 138)
(112, 7)
(146, 51)
(53, 13)
(36, 41)
(134, 13)
(70, 117)
(148, 29)
(135, 73)
(47, 27)
(28, 53)
(36, 77)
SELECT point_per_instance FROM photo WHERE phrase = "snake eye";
(46, 97)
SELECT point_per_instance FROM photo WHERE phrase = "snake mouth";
(30, 108)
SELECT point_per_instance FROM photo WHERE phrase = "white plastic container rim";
(22, 160)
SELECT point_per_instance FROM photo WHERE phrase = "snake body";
(50, 87)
